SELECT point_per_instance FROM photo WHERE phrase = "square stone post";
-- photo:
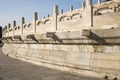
(6, 34)
(4, 31)
(99, 2)
(14, 24)
(83, 5)
(55, 13)
(71, 8)
(35, 18)
(89, 13)
(9, 26)
(61, 11)
(22, 22)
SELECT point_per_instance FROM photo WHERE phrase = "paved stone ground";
(12, 69)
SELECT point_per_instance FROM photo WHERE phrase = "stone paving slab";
(12, 69)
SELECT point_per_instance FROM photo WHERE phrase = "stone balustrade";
(77, 41)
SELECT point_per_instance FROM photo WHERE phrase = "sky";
(11, 10)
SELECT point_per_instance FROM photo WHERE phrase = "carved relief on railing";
(10, 29)
(44, 21)
(24, 25)
(115, 6)
(64, 18)
(76, 14)
(39, 22)
(6, 31)
(5, 28)
(30, 25)
(28, 28)
(45, 24)
(108, 6)
(47, 21)
(27, 25)
(16, 28)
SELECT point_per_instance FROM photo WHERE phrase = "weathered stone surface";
(12, 69)
(76, 47)
(81, 43)
(84, 57)
(58, 56)
(78, 58)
